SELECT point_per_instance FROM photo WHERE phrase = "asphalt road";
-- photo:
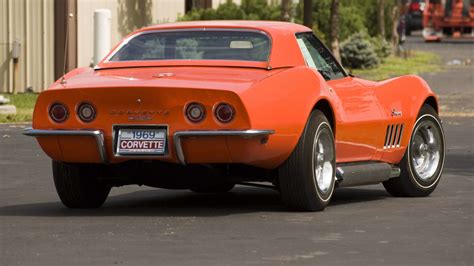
(138, 226)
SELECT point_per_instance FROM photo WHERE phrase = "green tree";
(285, 10)
(308, 13)
(334, 31)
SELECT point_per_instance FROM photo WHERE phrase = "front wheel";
(307, 178)
(78, 185)
(422, 165)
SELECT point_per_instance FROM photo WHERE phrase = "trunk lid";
(210, 78)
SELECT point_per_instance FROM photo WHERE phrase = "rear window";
(196, 45)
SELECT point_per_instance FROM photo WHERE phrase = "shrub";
(249, 10)
(369, 9)
(383, 49)
(261, 10)
(358, 52)
(351, 18)
(229, 10)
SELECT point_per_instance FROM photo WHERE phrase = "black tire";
(297, 178)
(78, 186)
(409, 183)
(214, 188)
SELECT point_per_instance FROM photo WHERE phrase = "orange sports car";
(207, 105)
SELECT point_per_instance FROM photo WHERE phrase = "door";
(358, 118)
(359, 129)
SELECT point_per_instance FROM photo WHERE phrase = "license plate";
(132, 141)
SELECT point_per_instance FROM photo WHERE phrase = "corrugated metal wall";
(31, 24)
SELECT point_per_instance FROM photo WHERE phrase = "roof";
(285, 51)
(269, 26)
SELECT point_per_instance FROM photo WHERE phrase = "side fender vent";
(393, 136)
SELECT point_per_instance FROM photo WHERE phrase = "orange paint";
(277, 95)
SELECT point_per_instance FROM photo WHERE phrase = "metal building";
(30, 25)
(33, 34)
(37, 29)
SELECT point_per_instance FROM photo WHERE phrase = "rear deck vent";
(393, 136)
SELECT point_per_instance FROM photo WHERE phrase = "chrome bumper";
(98, 135)
(178, 135)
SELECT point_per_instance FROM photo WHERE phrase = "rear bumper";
(178, 136)
(98, 135)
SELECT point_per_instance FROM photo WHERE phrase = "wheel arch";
(324, 106)
(431, 101)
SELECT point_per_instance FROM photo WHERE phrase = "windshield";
(196, 45)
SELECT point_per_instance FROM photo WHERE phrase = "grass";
(24, 103)
(416, 62)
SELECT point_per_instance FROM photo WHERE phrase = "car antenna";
(63, 79)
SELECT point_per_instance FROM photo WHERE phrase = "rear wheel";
(78, 185)
(307, 178)
(422, 165)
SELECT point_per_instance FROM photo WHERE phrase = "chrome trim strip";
(386, 138)
(251, 133)
(97, 134)
(400, 136)
(395, 136)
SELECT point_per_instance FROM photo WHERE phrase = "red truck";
(448, 18)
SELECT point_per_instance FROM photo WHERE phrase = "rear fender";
(283, 102)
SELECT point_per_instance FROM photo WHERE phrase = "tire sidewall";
(322, 124)
(426, 113)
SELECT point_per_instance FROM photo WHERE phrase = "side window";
(318, 57)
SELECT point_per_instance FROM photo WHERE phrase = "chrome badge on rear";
(139, 115)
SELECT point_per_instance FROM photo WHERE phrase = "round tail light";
(86, 112)
(195, 112)
(58, 112)
(224, 113)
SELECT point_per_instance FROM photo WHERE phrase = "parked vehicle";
(448, 18)
(414, 16)
(207, 105)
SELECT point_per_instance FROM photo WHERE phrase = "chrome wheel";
(426, 149)
(323, 159)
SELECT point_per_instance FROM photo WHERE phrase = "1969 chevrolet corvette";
(207, 105)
